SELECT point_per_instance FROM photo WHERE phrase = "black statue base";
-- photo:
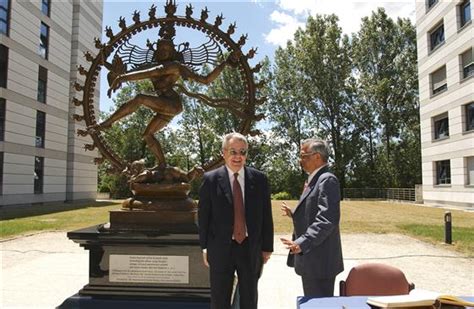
(149, 265)
(97, 302)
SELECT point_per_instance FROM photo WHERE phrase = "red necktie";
(239, 212)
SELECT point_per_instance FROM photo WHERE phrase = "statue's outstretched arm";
(186, 73)
(136, 75)
(234, 106)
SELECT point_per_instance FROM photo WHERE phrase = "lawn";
(379, 217)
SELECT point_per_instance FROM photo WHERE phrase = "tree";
(384, 54)
(325, 63)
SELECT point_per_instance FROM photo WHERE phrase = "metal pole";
(447, 227)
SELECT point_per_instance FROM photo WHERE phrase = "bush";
(281, 196)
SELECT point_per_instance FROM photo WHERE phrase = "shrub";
(281, 196)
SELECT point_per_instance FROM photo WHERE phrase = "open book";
(417, 298)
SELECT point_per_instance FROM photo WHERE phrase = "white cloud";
(350, 13)
(284, 30)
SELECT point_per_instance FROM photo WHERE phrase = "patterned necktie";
(306, 187)
(239, 212)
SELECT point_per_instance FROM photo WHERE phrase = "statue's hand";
(115, 85)
(233, 59)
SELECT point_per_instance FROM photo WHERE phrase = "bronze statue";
(168, 67)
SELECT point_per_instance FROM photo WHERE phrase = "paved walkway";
(42, 270)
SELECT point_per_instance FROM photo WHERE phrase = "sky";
(269, 24)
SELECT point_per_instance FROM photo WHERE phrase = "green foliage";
(281, 196)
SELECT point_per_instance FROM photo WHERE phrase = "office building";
(41, 44)
(445, 39)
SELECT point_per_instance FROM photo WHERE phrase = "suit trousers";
(221, 281)
(317, 287)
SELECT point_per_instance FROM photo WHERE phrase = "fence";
(398, 194)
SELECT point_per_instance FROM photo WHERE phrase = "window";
(441, 126)
(46, 7)
(42, 84)
(1, 173)
(431, 3)
(40, 128)
(3, 66)
(467, 61)
(38, 181)
(436, 36)
(465, 12)
(2, 119)
(44, 41)
(469, 112)
(443, 172)
(4, 16)
(438, 81)
(470, 170)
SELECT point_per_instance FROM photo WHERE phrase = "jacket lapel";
(311, 186)
(224, 183)
(249, 186)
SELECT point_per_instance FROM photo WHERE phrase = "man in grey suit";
(235, 225)
(315, 251)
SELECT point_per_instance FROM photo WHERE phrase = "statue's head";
(165, 51)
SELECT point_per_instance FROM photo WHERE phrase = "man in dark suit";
(235, 225)
(315, 251)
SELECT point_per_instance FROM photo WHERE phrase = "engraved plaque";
(149, 268)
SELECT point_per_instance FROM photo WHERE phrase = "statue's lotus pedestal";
(148, 254)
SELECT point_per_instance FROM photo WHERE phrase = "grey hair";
(236, 136)
(319, 146)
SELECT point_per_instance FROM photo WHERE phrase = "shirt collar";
(311, 176)
(231, 173)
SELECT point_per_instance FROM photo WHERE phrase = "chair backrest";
(375, 279)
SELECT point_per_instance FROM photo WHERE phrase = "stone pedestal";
(150, 263)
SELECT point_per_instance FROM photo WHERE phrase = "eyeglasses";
(304, 155)
(242, 152)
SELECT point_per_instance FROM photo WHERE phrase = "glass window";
(467, 64)
(2, 118)
(438, 81)
(4, 16)
(42, 84)
(46, 7)
(3, 66)
(431, 3)
(443, 172)
(441, 127)
(436, 36)
(469, 112)
(44, 41)
(38, 176)
(40, 128)
(465, 12)
(1, 173)
(470, 170)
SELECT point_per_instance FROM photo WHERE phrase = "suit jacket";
(316, 228)
(216, 217)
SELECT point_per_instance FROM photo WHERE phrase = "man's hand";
(290, 245)
(266, 256)
(286, 210)
(204, 258)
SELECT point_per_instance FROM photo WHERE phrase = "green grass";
(424, 223)
(59, 221)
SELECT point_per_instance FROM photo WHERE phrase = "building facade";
(41, 44)
(445, 40)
